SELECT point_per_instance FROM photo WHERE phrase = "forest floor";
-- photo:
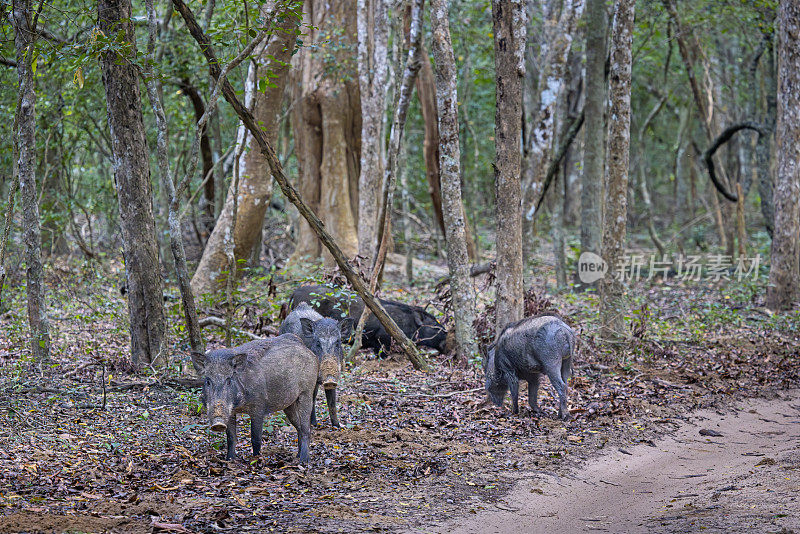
(416, 449)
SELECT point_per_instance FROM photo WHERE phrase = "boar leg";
(533, 394)
(330, 396)
(230, 434)
(513, 387)
(299, 416)
(314, 406)
(256, 430)
(554, 374)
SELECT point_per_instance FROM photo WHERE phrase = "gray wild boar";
(526, 349)
(258, 378)
(323, 337)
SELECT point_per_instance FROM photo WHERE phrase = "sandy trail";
(747, 478)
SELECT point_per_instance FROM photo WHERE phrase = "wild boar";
(524, 350)
(258, 378)
(323, 336)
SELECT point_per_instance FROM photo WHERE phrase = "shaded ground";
(744, 475)
(416, 448)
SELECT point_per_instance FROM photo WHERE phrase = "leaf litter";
(415, 448)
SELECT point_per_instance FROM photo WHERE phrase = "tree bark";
(134, 194)
(594, 134)
(154, 92)
(255, 188)
(24, 22)
(613, 304)
(784, 273)
(417, 360)
(327, 124)
(426, 92)
(555, 45)
(373, 77)
(461, 289)
(508, 18)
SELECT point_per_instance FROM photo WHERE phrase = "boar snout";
(218, 416)
(218, 426)
(329, 373)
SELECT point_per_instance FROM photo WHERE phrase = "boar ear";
(199, 361)
(239, 359)
(346, 326)
(308, 326)
(419, 318)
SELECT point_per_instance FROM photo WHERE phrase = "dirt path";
(746, 478)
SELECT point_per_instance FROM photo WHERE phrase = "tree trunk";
(154, 92)
(134, 194)
(784, 273)
(555, 45)
(509, 48)
(25, 143)
(613, 305)
(373, 77)
(426, 91)
(327, 124)
(463, 294)
(255, 187)
(594, 133)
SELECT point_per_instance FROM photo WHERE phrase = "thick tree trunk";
(327, 124)
(132, 179)
(463, 294)
(25, 144)
(509, 48)
(255, 188)
(373, 77)
(594, 136)
(784, 273)
(612, 302)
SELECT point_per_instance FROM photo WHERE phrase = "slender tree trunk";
(764, 146)
(25, 144)
(613, 304)
(461, 289)
(592, 193)
(207, 155)
(8, 219)
(134, 194)
(395, 142)
(327, 124)
(784, 273)
(373, 78)
(255, 188)
(555, 46)
(154, 91)
(426, 91)
(509, 57)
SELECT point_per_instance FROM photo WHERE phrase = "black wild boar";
(419, 325)
(258, 378)
(526, 349)
(323, 336)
